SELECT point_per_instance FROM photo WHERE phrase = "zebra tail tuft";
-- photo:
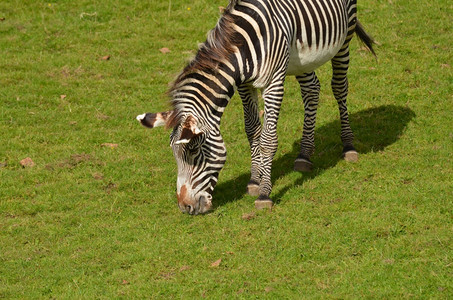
(365, 37)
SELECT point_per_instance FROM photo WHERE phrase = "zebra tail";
(365, 37)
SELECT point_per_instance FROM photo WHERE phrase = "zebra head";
(200, 154)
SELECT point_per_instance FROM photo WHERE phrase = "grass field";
(91, 220)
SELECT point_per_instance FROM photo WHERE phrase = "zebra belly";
(306, 59)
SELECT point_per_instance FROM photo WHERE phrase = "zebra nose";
(190, 209)
(205, 201)
(209, 198)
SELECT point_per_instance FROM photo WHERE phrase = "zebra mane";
(232, 4)
(220, 44)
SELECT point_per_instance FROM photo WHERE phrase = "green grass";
(89, 221)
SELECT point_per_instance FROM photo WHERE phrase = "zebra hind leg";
(309, 87)
(252, 122)
(340, 64)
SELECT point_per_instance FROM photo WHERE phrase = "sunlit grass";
(90, 221)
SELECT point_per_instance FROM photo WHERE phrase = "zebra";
(254, 46)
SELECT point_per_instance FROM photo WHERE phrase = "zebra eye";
(193, 150)
(193, 145)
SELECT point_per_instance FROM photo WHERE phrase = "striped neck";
(204, 95)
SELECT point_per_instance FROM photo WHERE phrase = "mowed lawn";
(94, 214)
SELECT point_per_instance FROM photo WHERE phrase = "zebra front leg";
(252, 122)
(340, 64)
(273, 96)
(309, 87)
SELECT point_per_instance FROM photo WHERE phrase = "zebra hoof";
(253, 189)
(303, 165)
(263, 202)
(351, 156)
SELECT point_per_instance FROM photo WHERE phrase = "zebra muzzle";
(198, 204)
(204, 202)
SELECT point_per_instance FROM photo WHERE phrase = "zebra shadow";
(374, 130)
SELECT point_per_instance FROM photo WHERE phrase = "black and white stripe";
(255, 45)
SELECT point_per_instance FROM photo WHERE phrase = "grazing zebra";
(255, 45)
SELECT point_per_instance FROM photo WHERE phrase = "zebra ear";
(152, 120)
(189, 130)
